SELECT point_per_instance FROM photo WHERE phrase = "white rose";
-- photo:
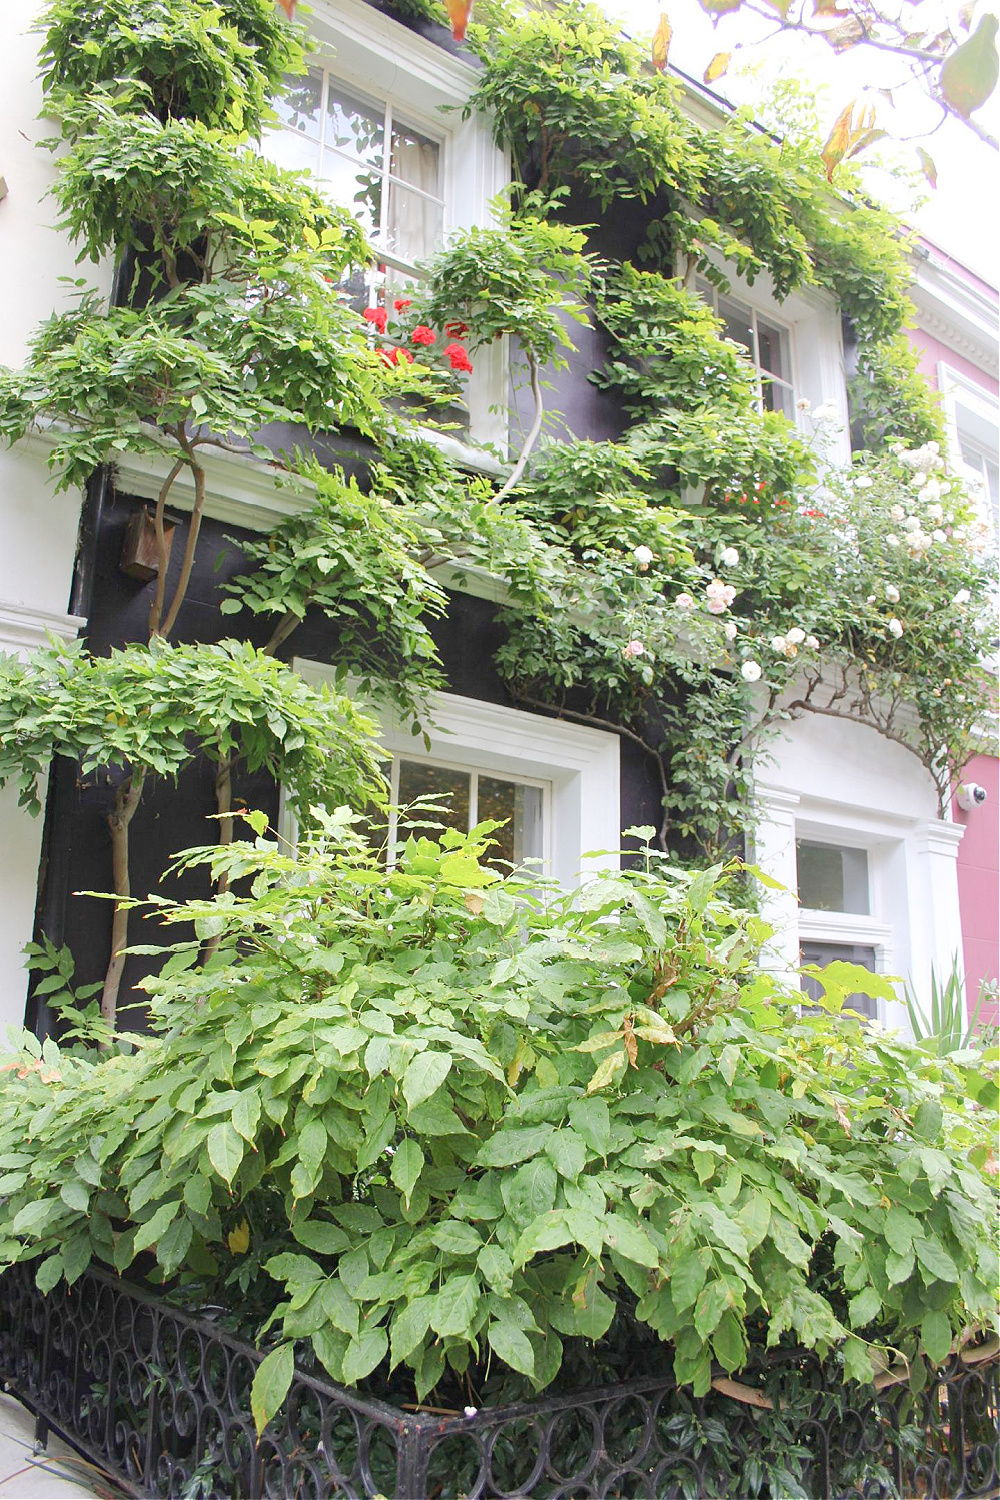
(962, 597)
(919, 480)
(731, 630)
(892, 541)
(895, 628)
(912, 523)
(939, 535)
(931, 491)
(795, 635)
(643, 556)
(812, 643)
(863, 482)
(684, 601)
(935, 512)
(779, 643)
(897, 512)
(892, 593)
(802, 404)
(827, 412)
(750, 671)
(730, 557)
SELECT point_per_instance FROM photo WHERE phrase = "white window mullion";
(473, 799)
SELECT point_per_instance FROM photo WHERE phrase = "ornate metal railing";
(161, 1400)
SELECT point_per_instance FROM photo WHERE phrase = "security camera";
(971, 795)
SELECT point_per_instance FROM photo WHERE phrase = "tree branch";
(156, 608)
(118, 820)
(533, 430)
(197, 511)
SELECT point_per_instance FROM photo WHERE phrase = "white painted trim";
(23, 628)
(952, 309)
(581, 764)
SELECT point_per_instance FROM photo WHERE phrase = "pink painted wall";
(979, 880)
(933, 352)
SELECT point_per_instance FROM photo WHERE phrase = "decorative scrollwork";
(161, 1400)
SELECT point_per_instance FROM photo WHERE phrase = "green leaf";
(246, 1113)
(49, 1273)
(512, 1145)
(969, 74)
(513, 1346)
(936, 1337)
(455, 1306)
(409, 1327)
(935, 1260)
(531, 1191)
(173, 1244)
(225, 1150)
(407, 1164)
(363, 1354)
(729, 1341)
(497, 1267)
(864, 1307)
(270, 1384)
(321, 1236)
(456, 1238)
(712, 1302)
(75, 1194)
(631, 1241)
(687, 1278)
(424, 1076)
(149, 1233)
(568, 1152)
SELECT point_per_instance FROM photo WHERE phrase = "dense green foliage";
(431, 1114)
(420, 1115)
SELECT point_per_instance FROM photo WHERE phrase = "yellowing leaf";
(288, 6)
(661, 42)
(927, 166)
(238, 1239)
(718, 66)
(849, 136)
(969, 75)
(473, 903)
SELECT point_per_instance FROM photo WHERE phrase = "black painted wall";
(174, 816)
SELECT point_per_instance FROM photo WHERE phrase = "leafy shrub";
(424, 1117)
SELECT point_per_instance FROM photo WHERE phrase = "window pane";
(778, 398)
(448, 788)
(521, 807)
(737, 323)
(832, 878)
(822, 954)
(772, 350)
(300, 106)
(354, 128)
(415, 159)
(360, 191)
(413, 225)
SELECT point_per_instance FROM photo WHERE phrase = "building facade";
(848, 823)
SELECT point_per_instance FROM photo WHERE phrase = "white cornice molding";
(951, 308)
(352, 25)
(25, 628)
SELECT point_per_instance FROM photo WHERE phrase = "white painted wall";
(38, 529)
(838, 782)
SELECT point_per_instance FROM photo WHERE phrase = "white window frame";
(785, 329)
(544, 785)
(972, 415)
(812, 320)
(409, 116)
(381, 59)
(581, 766)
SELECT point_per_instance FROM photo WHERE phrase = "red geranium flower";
(376, 315)
(389, 356)
(423, 335)
(402, 303)
(456, 330)
(457, 356)
(404, 354)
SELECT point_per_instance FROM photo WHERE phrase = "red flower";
(389, 356)
(457, 356)
(456, 330)
(423, 335)
(404, 354)
(402, 303)
(376, 315)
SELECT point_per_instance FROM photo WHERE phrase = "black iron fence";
(161, 1400)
